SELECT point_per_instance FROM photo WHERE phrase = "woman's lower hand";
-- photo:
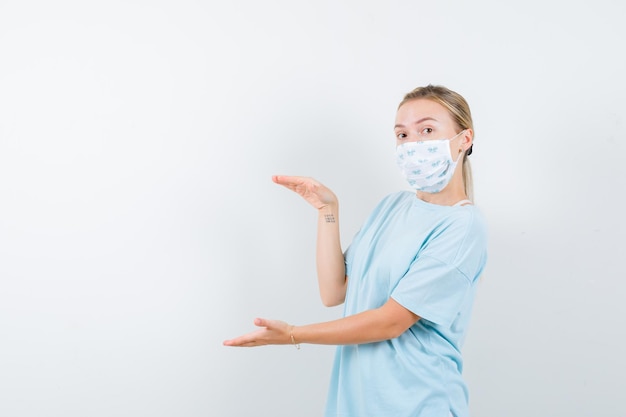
(271, 332)
(314, 192)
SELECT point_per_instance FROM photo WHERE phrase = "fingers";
(250, 339)
(240, 342)
(304, 186)
(271, 332)
(282, 179)
(293, 181)
(286, 179)
(247, 340)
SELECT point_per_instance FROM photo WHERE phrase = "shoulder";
(465, 223)
(467, 217)
(475, 222)
(461, 240)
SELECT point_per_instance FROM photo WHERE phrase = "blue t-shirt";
(428, 258)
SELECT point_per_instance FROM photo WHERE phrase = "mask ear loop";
(469, 150)
(460, 150)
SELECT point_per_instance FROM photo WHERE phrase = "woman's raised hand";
(315, 193)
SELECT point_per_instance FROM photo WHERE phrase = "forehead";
(418, 109)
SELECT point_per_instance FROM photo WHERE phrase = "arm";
(383, 323)
(331, 273)
(331, 267)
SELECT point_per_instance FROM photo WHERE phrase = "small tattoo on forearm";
(329, 218)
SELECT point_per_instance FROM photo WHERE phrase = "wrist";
(329, 208)
(292, 337)
(329, 213)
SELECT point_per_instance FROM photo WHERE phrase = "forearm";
(384, 323)
(331, 272)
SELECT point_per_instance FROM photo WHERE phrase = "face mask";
(427, 165)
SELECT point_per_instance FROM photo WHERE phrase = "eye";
(401, 135)
(426, 131)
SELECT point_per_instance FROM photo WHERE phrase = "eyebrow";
(423, 119)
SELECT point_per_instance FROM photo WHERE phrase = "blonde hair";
(460, 112)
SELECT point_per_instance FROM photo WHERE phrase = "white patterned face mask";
(427, 165)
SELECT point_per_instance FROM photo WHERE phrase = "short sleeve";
(444, 271)
(432, 289)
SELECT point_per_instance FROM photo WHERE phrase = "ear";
(467, 140)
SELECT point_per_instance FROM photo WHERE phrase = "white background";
(139, 226)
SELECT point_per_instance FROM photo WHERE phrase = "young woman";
(408, 278)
